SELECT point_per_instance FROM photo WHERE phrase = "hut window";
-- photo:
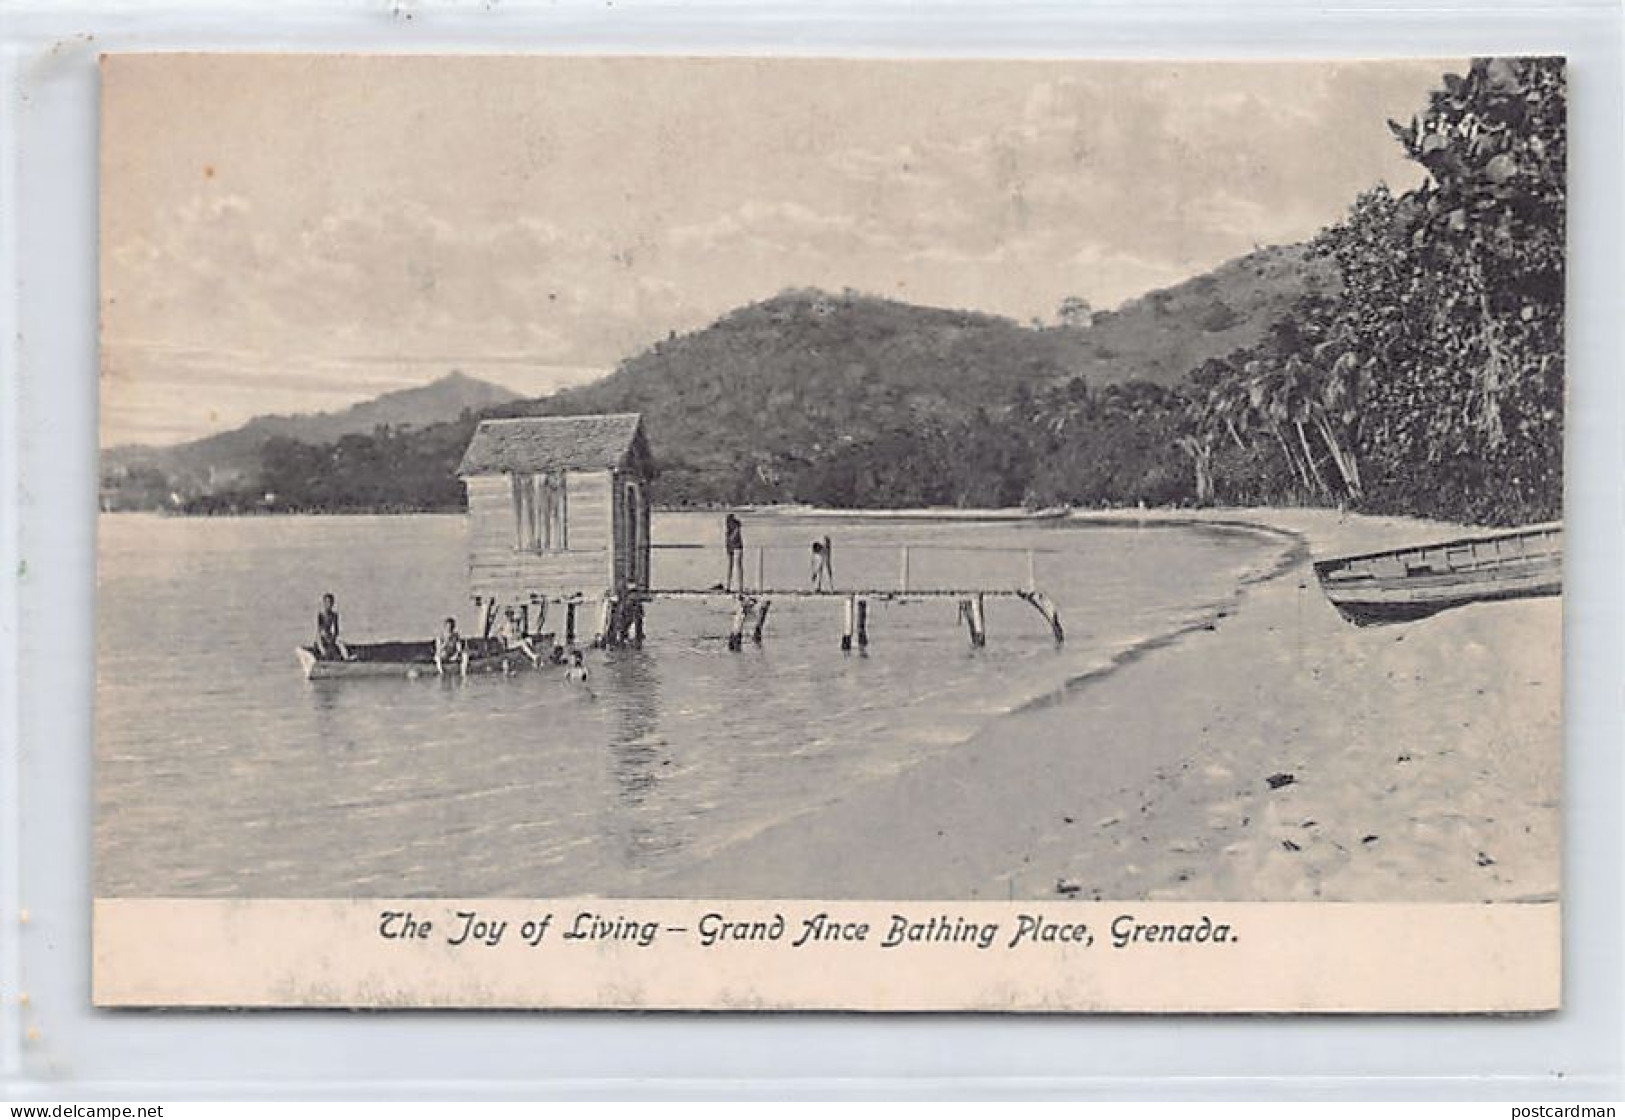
(540, 512)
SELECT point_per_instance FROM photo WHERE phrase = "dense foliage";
(1432, 381)
(392, 470)
(1410, 359)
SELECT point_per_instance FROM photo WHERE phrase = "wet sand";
(1415, 762)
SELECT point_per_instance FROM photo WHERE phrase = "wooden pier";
(561, 543)
(750, 608)
(618, 619)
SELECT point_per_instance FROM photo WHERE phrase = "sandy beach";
(1416, 762)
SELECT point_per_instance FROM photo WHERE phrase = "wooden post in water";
(975, 612)
(736, 632)
(761, 620)
(484, 611)
(570, 624)
(1042, 604)
(848, 621)
(863, 624)
(902, 569)
(761, 565)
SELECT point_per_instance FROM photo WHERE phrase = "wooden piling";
(761, 620)
(1042, 604)
(570, 624)
(761, 564)
(849, 618)
(863, 624)
(485, 611)
(974, 612)
(637, 624)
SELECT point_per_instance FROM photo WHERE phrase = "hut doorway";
(633, 532)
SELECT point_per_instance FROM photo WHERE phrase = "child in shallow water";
(512, 636)
(450, 649)
(577, 672)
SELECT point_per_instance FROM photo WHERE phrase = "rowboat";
(405, 659)
(1403, 584)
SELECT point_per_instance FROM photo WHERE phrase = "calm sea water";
(222, 772)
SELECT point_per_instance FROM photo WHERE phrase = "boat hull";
(1406, 584)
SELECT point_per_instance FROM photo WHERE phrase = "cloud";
(517, 234)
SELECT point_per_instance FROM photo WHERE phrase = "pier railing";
(858, 568)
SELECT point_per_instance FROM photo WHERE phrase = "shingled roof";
(555, 443)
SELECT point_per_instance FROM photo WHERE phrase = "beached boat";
(1402, 584)
(405, 659)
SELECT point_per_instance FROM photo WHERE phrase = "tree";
(1075, 312)
(1431, 381)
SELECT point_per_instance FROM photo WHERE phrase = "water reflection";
(324, 697)
(638, 756)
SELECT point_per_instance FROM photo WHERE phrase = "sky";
(297, 233)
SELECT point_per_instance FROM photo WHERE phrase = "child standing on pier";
(823, 566)
(733, 537)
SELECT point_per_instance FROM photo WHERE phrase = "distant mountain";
(232, 458)
(751, 406)
(789, 379)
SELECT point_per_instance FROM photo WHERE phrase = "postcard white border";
(807, 955)
(55, 1043)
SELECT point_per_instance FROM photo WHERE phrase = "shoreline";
(1408, 777)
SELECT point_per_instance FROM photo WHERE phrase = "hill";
(740, 405)
(805, 395)
(232, 459)
(1164, 334)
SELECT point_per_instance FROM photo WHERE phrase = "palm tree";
(1296, 403)
(1267, 400)
(1336, 411)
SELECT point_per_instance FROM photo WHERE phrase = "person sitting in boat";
(577, 672)
(328, 645)
(450, 649)
(512, 636)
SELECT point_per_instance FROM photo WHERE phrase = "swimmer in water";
(577, 672)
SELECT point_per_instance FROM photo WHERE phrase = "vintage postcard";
(830, 534)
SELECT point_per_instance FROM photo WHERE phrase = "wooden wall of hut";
(499, 567)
